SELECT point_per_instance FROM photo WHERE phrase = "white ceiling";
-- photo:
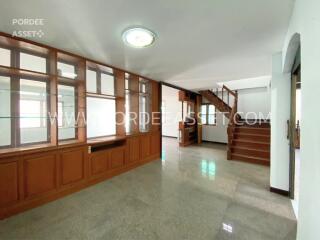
(199, 42)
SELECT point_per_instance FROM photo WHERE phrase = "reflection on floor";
(191, 193)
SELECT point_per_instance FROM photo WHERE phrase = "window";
(91, 81)
(66, 112)
(208, 114)
(67, 70)
(5, 112)
(107, 84)
(33, 111)
(101, 119)
(5, 57)
(33, 62)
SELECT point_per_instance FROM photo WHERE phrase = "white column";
(280, 113)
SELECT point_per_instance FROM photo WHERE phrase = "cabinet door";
(40, 174)
(99, 162)
(145, 146)
(8, 183)
(134, 149)
(155, 143)
(117, 157)
(72, 165)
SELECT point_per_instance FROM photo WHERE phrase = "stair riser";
(251, 153)
(249, 160)
(253, 131)
(252, 145)
(253, 138)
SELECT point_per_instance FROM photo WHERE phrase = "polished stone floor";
(192, 193)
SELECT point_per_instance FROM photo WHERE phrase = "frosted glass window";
(33, 111)
(101, 120)
(67, 70)
(33, 63)
(203, 114)
(127, 117)
(107, 84)
(144, 116)
(5, 112)
(5, 57)
(91, 81)
(211, 114)
(66, 112)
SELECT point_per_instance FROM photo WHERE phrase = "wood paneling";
(99, 162)
(72, 166)
(39, 174)
(8, 183)
(134, 149)
(155, 143)
(145, 146)
(117, 157)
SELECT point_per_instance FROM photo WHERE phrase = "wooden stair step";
(250, 159)
(251, 144)
(252, 130)
(251, 151)
(253, 137)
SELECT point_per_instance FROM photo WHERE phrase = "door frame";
(295, 79)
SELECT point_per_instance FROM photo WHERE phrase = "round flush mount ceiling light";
(138, 37)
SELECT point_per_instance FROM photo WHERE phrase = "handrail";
(229, 90)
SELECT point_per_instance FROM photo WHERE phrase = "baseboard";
(214, 142)
(279, 191)
(169, 137)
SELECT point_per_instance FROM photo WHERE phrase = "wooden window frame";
(207, 115)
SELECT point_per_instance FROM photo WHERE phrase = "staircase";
(248, 140)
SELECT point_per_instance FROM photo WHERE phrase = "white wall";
(254, 102)
(280, 111)
(217, 133)
(306, 21)
(171, 114)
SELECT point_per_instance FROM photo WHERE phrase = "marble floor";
(191, 193)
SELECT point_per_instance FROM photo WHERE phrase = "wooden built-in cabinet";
(31, 175)
(9, 182)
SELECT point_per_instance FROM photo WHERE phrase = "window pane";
(91, 81)
(203, 109)
(211, 115)
(127, 108)
(212, 109)
(33, 63)
(33, 111)
(204, 119)
(107, 84)
(5, 112)
(66, 112)
(101, 119)
(5, 58)
(143, 113)
(67, 70)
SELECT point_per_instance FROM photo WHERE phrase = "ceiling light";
(138, 37)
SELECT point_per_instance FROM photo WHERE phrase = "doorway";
(294, 132)
(171, 112)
